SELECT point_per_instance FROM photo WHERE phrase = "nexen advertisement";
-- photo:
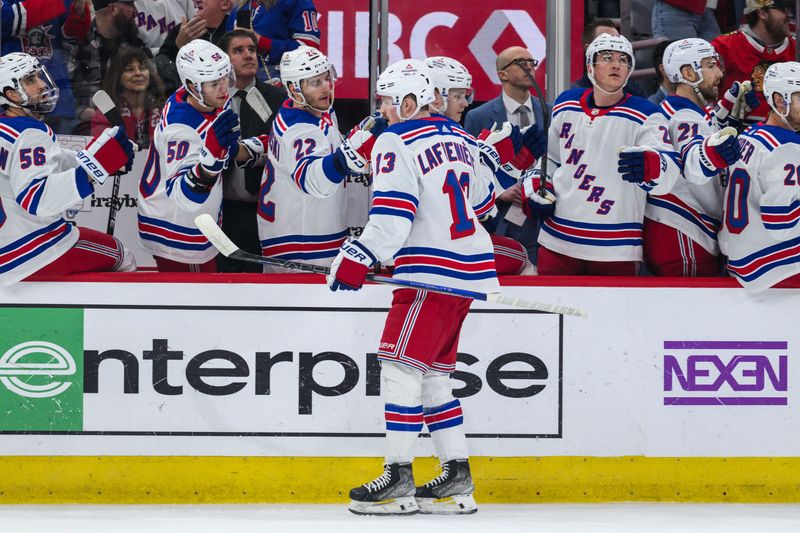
(293, 373)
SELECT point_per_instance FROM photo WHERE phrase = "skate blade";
(397, 506)
(458, 504)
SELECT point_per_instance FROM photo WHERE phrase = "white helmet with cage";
(199, 62)
(404, 78)
(782, 79)
(449, 74)
(17, 66)
(606, 42)
(687, 52)
(300, 64)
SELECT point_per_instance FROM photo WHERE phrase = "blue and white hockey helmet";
(782, 79)
(409, 77)
(200, 61)
(18, 70)
(687, 52)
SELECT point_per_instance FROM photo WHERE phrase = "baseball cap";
(755, 5)
(100, 4)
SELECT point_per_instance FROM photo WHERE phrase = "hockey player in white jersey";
(195, 140)
(761, 236)
(607, 150)
(302, 207)
(680, 228)
(422, 215)
(453, 95)
(39, 180)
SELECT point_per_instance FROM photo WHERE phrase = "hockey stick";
(545, 127)
(256, 101)
(208, 227)
(106, 106)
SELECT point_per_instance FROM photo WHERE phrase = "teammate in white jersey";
(680, 228)
(596, 228)
(39, 181)
(453, 95)
(761, 236)
(302, 207)
(422, 215)
(195, 140)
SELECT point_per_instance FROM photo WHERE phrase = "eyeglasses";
(525, 64)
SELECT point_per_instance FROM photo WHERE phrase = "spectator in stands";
(155, 18)
(112, 28)
(134, 85)
(748, 52)
(515, 66)
(38, 28)
(682, 19)
(211, 23)
(240, 185)
(665, 87)
(283, 25)
(590, 33)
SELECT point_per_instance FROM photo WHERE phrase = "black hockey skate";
(390, 494)
(450, 492)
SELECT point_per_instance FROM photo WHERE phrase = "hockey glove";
(220, 137)
(349, 268)
(256, 147)
(720, 150)
(106, 154)
(353, 155)
(640, 165)
(506, 141)
(537, 203)
(737, 102)
(534, 146)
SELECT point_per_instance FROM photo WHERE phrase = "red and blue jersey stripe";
(708, 225)
(757, 264)
(425, 260)
(304, 247)
(31, 245)
(623, 234)
(171, 235)
(777, 217)
(31, 195)
(393, 203)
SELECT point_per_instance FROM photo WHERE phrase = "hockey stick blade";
(256, 100)
(208, 227)
(107, 106)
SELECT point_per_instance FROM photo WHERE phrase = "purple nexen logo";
(725, 373)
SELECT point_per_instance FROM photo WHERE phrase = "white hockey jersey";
(167, 205)
(155, 18)
(427, 199)
(38, 181)
(598, 215)
(694, 205)
(761, 235)
(302, 210)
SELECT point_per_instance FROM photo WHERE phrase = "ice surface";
(540, 518)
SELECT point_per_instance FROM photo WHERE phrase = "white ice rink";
(541, 518)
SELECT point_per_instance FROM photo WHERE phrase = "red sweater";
(694, 6)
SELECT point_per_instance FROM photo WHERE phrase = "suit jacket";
(483, 116)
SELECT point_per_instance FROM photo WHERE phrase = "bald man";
(516, 106)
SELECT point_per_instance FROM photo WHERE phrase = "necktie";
(524, 119)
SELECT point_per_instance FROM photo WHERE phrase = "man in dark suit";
(516, 106)
(240, 186)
